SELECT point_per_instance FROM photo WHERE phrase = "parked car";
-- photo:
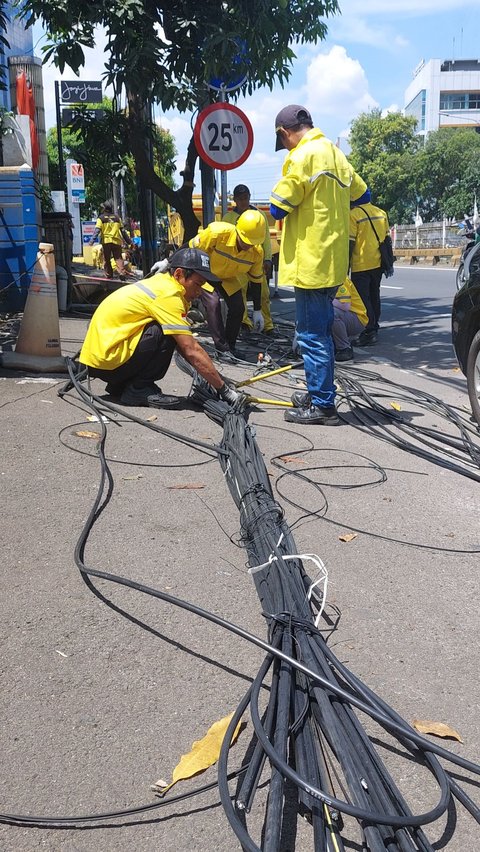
(466, 328)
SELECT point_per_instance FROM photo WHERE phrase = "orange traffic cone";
(38, 344)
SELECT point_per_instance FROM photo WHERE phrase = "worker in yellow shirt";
(241, 199)
(368, 227)
(235, 252)
(135, 330)
(112, 236)
(349, 319)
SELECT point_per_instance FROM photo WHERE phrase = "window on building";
(417, 108)
(459, 100)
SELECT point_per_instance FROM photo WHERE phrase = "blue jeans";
(314, 310)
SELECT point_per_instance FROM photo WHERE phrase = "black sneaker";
(344, 354)
(366, 338)
(314, 414)
(114, 390)
(148, 397)
(300, 399)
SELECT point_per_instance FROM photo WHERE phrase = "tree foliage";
(448, 173)
(439, 177)
(166, 52)
(383, 151)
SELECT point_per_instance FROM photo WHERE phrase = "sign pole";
(223, 174)
(74, 210)
(61, 165)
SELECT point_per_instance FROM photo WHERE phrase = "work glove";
(232, 396)
(258, 321)
(159, 266)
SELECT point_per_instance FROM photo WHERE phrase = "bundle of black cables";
(310, 734)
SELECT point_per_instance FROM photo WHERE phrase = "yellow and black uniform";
(366, 253)
(232, 216)
(232, 264)
(131, 334)
(227, 261)
(365, 260)
(110, 228)
(119, 321)
(112, 234)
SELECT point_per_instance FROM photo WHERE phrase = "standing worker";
(135, 330)
(235, 251)
(314, 195)
(241, 198)
(112, 236)
(368, 227)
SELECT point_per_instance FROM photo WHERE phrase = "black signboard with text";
(69, 115)
(81, 92)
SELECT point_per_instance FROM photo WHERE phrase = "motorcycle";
(460, 274)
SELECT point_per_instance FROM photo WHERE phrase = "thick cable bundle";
(309, 734)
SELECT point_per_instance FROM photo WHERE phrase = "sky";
(367, 60)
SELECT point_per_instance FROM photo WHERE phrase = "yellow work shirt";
(110, 228)
(366, 253)
(219, 240)
(348, 294)
(118, 323)
(317, 186)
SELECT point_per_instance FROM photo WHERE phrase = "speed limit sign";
(223, 136)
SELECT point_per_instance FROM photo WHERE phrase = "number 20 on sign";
(223, 136)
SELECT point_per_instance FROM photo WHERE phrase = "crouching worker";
(135, 330)
(349, 319)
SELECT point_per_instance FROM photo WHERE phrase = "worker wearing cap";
(314, 195)
(235, 251)
(135, 330)
(241, 198)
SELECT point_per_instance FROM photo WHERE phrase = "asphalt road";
(96, 706)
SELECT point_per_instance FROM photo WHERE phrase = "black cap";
(193, 258)
(240, 189)
(290, 116)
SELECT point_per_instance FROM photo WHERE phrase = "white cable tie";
(255, 568)
(304, 557)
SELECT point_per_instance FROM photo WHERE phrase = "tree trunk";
(180, 199)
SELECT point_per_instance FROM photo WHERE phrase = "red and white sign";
(223, 136)
(77, 176)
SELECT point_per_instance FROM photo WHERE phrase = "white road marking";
(390, 287)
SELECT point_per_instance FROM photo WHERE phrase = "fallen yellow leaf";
(438, 729)
(292, 459)
(204, 752)
(396, 406)
(86, 434)
(151, 418)
(347, 537)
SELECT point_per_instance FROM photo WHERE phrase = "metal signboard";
(223, 136)
(81, 92)
(70, 114)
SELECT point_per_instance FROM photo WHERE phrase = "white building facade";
(444, 93)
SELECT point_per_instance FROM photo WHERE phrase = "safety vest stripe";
(176, 327)
(255, 277)
(145, 289)
(232, 257)
(372, 219)
(283, 201)
(332, 176)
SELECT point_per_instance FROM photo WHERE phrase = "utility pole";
(61, 164)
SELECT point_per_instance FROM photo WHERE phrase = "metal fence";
(430, 235)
